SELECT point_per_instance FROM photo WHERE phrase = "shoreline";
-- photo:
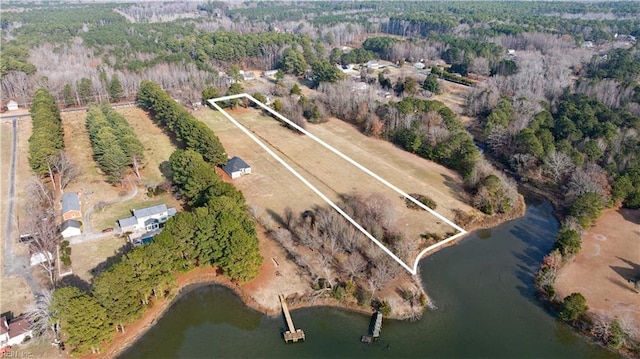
(200, 277)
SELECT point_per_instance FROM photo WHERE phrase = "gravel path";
(13, 264)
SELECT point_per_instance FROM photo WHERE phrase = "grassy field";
(272, 187)
(610, 255)
(87, 256)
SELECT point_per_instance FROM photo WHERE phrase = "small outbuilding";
(12, 105)
(236, 167)
(71, 206)
(70, 228)
(40, 257)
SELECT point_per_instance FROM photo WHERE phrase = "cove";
(482, 286)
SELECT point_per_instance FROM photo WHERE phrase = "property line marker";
(413, 270)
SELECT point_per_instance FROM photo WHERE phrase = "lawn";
(273, 188)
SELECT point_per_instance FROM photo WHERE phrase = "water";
(483, 288)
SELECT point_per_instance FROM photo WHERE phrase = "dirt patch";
(610, 255)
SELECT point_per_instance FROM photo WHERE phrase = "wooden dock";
(291, 335)
(378, 326)
(375, 333)
(375, 330)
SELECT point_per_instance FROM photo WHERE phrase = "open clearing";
(610, 255)
(273, 188)
(88, 255)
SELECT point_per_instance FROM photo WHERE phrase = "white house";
(70, 228)
(12, 105)
(373, 64)
(14, 332)
(146, 222)
(40, 257)
(236, 167)
(269, 73)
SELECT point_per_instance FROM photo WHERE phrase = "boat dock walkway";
(375, 333)
(291, 335)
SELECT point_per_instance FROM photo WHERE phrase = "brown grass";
(610, 254)
(86, 256)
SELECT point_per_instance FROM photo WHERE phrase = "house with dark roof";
(14, 332)
(236, 167)
(146, 222)
(70, 228)
(71, 206)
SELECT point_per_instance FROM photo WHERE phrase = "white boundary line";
(413, 270)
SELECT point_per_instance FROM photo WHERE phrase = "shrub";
(573, 306)
(422, 199)
(385, 308)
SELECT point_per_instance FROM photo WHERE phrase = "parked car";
(107, 230)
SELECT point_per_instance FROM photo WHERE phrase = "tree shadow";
(457, 190)
(165, 169)
(74, 281)
(628, 274)
(622, 284)
(276, 217)
(110, 261)
(631, 215)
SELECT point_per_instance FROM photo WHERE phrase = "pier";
(293, 334)
(375, 333)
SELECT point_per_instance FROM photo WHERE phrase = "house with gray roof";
(70, 228)
(71, 206)
(146, 222)
(236, 167)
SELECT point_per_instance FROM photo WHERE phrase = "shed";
(236, 167)
(12, 105)
(40, 257)
(70, 228)
(71, 206)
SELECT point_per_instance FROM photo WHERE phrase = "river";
(483, 288)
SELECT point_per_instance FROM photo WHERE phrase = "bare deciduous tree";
(354, 265)
(557, 165)
(64, 167)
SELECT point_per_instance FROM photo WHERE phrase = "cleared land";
(610, 256)
(272, 187)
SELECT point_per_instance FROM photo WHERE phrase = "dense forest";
(552, 101)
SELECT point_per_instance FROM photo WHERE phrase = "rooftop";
(70, 223)
(150, 211)
(235, 164)
(70, 202)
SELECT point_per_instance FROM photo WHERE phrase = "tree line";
(190, 132)
(116, 148)
(47, 137)
(217, 231)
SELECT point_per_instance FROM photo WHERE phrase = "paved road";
(15, 265)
